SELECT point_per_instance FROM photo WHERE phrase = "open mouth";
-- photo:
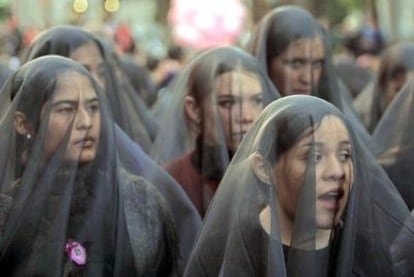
(331, 199)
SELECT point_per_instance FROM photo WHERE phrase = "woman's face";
(329, 150)
(239, 101)
(297, 70)
(74, 105)
(90, 57)
(393, 86)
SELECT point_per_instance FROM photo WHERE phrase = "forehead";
(86, 52)
(331, 127)
(237, 80)
(72, 84)
(306, 46)
(331, 131)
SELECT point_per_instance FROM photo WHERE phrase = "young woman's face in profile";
(75, 105)
(297, 70)
(90, 57)
(329, 150)
(238, 98)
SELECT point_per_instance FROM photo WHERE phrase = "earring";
(28, 136)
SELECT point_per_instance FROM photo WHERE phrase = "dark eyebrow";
(314, 144)
(71, 102)
(227, 97)
(75, 102)
(345, 142)
(320, 144)
(92, 100)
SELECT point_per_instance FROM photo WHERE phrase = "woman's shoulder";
(138, 188)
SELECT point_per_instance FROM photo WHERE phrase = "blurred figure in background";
(393, 141)
(396, 66)
(293, 48)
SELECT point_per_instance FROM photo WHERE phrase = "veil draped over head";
(129, 110)
(396, 62)
(176, 136)
(287, 25)
(303, 197)
(393, 142)
(67, 206)
(131, 115)
(212, 103)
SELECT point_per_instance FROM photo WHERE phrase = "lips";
(86, 142)
(239, 135)
(331, 199)
(303, 91)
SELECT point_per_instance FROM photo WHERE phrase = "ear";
(21, 125)
(261, 168)
(192, 109)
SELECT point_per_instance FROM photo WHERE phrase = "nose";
(306, 75)
(245, 114)
(334, 169)
(83, 119)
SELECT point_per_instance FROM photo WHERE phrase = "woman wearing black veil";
(294, 49)
(393, 142)
(396, 66)
(68, 207)
(213, 103)
(302, 197)
(97, 56)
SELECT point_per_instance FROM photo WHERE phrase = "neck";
(315, 240)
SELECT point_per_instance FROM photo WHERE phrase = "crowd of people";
(251, 160)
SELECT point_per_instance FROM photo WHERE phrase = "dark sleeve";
(6, 202)
(150, 227)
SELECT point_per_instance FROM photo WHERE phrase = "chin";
(87, 156)
(326, 221)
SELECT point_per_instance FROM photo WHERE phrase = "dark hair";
(62, 41)
(175, 53)
(396, 60)
(217, 62)
(292, 124)
(288, 24)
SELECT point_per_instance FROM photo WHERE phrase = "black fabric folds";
(304, 197)
(61, 183)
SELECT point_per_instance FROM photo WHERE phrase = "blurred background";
(151, 27)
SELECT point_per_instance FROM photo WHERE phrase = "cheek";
(55, 134)
(349, 177)
(317, 73)
(278, 73)
(291, 180)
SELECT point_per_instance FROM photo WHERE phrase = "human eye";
(295, 63)
(94, 108)
(344, 155)
(257, 100)
(313, 155)
(317, 64)
(65, 109)
(226, 103)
